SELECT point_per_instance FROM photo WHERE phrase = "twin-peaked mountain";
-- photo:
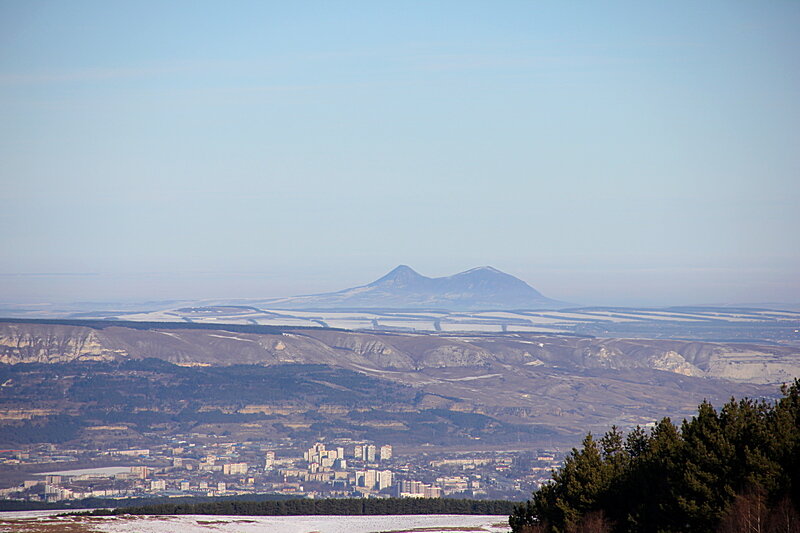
(482, 288)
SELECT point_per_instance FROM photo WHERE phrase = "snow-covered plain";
(466, 321)
(108, 471)
(265, 524)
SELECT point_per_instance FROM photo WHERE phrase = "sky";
(608, 153)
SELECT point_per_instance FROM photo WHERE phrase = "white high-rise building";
(369, 453)
(318, 455)
(367, 478)
(370, 478)
(314, 453)
(386, 452)
(384, 479)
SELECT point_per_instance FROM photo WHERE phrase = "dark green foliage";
(152, 382)
(327, 506)
(722, 469)
(146, 392)
(149, 395)
(57, 428)
(109, 503)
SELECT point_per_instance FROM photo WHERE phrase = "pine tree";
(733, 470)
(653, 471)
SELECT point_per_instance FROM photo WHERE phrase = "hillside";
(433, 388)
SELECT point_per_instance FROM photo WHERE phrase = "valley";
(224, 398)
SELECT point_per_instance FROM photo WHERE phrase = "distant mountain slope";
(482, 288)
(467, 390)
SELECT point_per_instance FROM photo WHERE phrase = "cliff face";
(44, 343)
(34, 343)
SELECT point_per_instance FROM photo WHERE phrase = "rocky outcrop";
(672, 361)
(375, 350)
(454, 355)
(755, 367)
(26, 343)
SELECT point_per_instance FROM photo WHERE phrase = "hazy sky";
(607, 153)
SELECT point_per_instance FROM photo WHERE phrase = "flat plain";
(47, 522)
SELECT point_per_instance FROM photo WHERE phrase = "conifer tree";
(705, 489)
(733, 470)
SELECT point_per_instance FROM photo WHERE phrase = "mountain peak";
(480, 288)
(402, 270)
(400, 275)
(483, 269)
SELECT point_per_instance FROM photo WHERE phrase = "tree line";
(727, 471)
(325, 506)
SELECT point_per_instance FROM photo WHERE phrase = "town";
(339, 469)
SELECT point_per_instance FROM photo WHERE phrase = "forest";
(326, 506)
(736, 469)
(141, 393)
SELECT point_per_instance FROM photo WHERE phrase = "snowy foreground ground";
(46, 522)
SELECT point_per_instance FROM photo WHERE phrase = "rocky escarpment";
(24, 343)
(394, 352)
(672, 361)
(732, 361)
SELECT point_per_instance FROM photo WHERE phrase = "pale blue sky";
(607, 153)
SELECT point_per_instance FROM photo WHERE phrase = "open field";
(47, 522)
(690, 323)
